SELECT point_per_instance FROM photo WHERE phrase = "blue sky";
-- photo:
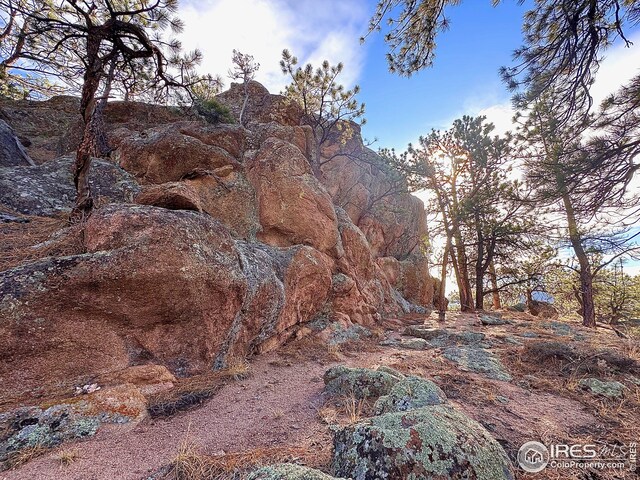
(464, 78)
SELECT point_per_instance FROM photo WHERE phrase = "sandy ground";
(278, 405)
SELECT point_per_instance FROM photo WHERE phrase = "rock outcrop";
(429, 442)
(209, 242)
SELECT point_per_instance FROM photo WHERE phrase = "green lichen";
(478, 360)
(606, 389)
(362, 383)
(391, 371)
(288, 471)
(435, 441)
(408, 394)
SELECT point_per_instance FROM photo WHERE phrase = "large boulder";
(408, 394)
(170, 287)
(416, 283)
(541, 309)
(167, 154)
(362, 383)
(41, 126)
(435, 442)
(229, 198)
(48, 189)
(293, 207)
(172, 195)
(51, 128)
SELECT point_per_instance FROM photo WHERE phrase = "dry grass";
(38, 237)
(277, 413)
(191, 463)
(237, 368)
(68, 456)
(328, 414)
(20, 457)
(192, 391)
(354, 409)
(333, 350)
(344, 410)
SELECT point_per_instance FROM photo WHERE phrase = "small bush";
(213, 111)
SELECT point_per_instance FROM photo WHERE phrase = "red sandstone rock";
(293, 207)
(173, 195)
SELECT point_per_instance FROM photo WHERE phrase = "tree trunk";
(529, 299)
(244, 104)
(586, 277)
(442, 299)
(89, 144)
(479, 264)
(464, 284)
(493, 278)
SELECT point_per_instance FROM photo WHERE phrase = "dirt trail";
(278, 404)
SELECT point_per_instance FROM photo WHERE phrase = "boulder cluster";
(415, 433)
(209, 241)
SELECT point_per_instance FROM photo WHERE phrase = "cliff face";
(212, 241)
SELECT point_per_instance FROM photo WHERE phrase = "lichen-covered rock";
(76, 417)
(48, 189)
(391, 371)
(478, 360)
(362, 383)
(12, 153)
(438, 337)
(492, 320)
(288, 471)
(606, 389)
(407, 343)
(435, 442)
(170, 287)
(408, 394)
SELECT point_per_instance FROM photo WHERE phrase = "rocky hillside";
(210, 243)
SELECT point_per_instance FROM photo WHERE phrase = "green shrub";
(213, 111)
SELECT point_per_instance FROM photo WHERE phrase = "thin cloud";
(311, 30)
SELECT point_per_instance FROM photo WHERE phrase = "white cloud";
(501, 115)
(619, 66)
(311, 30)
